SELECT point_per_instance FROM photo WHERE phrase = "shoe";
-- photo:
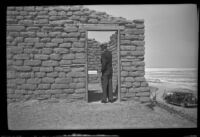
(111, 101)
(103, 101)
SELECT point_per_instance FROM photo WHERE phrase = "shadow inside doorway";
(95, 93)
(94, 96)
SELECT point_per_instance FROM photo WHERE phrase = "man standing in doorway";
(106, 78)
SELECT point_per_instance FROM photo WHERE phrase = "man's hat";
(104, 45)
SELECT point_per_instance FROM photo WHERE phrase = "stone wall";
(94, 60)
(46, 52)
(132, 53)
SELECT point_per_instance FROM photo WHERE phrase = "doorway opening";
(94, 84)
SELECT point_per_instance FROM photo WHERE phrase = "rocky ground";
(60, 114)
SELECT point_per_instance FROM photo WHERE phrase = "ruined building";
(48, 53)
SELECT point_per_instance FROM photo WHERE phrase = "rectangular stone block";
(47, 51)
(33, 28)
(126, 53)
(31, 51)
(79, 80)
(133, 25)
(29, 8)
(45, 39)
(69, 56)
(62, 75)
(139, 31)
(79, 61)
(129, 79)
(76, 74)
(44, 86)
(41, 34)
(128, 63)
(42, 21)
(78, 69)
(65, 62)
(123, 90)
(68, 91)
(78, 45)
(46, 29)
(59, 86)
(61, 50)
(22, 68)
(27, 34)
(72, 85)
(138, 43)
(28, 86)
(65, 45)
(74, 34)
(20, 81)
(80, 85)
(136, 84)
(143, 89)
(77, 49)
(124, 73)
(20, 91)
(34, 69)
(138, 53)
(144, 84)
(79, 91)
(11, 74)
(55, 57)
(57, 40)
(32, 62)
(15, 50)
(139, 21)
(46, 69)
(41, 57)
(62, 69)
(33, 81)
(51, 45)
(132, 90)
(53, 91)
(70, 29)
(80, 55)
(21, 56)
(125, 42)
(15, 28)
(49, 63)
(40, 74)
(127, 48)
(63, 80)
(52, 74)
(141, 79)
(47, 80)
(31, 40)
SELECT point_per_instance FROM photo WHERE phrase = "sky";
(171, 32)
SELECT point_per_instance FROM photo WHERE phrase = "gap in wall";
(95, 39)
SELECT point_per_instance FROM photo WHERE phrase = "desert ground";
(62, 114)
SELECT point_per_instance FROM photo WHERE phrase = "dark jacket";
(106, 62)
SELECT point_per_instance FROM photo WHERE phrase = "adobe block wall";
(46, 55)
(94, 60)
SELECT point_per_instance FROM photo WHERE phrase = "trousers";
(106, 81)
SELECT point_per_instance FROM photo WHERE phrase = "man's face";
(103, 48)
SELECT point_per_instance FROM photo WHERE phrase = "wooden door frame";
(97, 27)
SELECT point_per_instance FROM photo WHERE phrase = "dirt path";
(190, 113)
(82, 115)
